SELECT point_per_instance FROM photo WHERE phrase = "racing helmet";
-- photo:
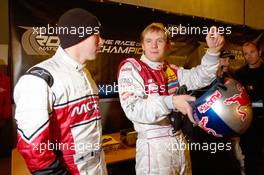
(224, 109)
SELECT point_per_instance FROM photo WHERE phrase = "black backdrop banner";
(122, 25)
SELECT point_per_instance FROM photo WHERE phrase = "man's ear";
(142, 46)
(260, 51)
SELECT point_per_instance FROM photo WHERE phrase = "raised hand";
(214, 40)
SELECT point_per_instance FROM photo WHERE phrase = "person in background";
(146, 90)
(251, 77)
(224, 69)
(229, 161)
(57, 105)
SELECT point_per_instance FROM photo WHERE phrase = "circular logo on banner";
(36, 43)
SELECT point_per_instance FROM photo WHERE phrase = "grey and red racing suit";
(145, 90)
(58, 119)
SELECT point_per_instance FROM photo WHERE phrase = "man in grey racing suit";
(57, 111)
(146, 88)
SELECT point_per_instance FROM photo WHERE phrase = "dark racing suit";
(58, 119)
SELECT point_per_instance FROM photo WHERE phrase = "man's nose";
(154, 44)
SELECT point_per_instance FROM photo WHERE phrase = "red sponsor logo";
(206, 106)
(203, 122)
(241, 100)
(91, 104)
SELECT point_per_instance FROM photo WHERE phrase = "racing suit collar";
(69, 60)
(151, 64)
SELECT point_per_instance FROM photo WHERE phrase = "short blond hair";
(155, 27)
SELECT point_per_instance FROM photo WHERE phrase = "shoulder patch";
(134, 63)
(41, 73)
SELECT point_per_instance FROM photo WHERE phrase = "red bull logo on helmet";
(241, 100)
(224, 110)
(202, 124)
(206, 106)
